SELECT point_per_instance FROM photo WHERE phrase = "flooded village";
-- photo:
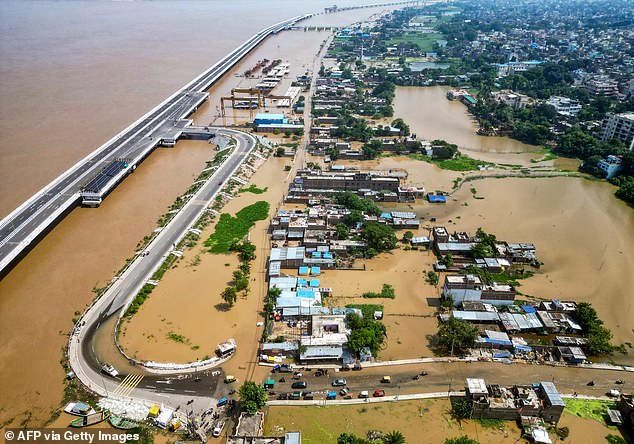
(373, 246)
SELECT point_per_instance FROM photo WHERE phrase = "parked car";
(379, 393)
(614, 393)
(229, 379)
(297, 375)
(340, 382)
(364, 394)
(299, 385)
(295, 396)
(386, 379)
(223, 401)
(308, 395)
(282, 396)
(344, 391)
(331, 395)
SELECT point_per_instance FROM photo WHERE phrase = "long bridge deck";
(166, 121)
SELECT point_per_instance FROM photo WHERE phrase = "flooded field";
(426, 421)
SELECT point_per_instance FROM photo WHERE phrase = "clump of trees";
(252, 397)
(394, 437)
(365, 332)
(353, 202)
(599, 337)
(380, 237)
(372, 149)
(455, 336)
(386, 292)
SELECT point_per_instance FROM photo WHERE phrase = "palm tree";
(394, 437)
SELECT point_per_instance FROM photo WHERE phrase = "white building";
(611, 166)
(565, 106)
(619, 126)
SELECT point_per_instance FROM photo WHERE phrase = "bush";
(386, 292)
(230, 229)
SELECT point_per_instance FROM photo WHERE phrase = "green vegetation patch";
(386, 292)
(139, 299)
(424, 41)
(231, 229)
(589, 408)
(254, 189)
(367, 309)
(459, 163)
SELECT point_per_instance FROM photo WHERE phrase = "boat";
(109, 370)
(119, 422)
(78, 409)
(92, 419)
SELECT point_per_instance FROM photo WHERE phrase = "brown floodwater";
(431, 115)
(66, 89)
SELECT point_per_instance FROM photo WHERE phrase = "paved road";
(25, 224)
(82, 357)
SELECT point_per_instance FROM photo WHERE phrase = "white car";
(217, 431)
(339, 382)
(614, 393)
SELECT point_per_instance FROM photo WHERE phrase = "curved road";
(117, 297)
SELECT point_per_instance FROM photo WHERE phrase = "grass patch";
(176, 337)
(548, 155)
(491, 423)
(424, 41)
(139, 299)
(386, 292)
(459, 163)
(367, 309)
(231, 229)
(587, 408)
(253, 189)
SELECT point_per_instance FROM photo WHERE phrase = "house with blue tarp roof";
(313, 283)
(315, 271)
(303, 271)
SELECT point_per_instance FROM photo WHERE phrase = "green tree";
(481, 250)
(461, 408)
(349, 438)
(407, 237)
(400, 124)
(379, 236)
(446, 260)
(372, 149)
(455, 336)
(342, 231)
(626, 188)
(394, 437)
(252, 397)
(460, 440)
(240, 281)
(274, 293)
(586, 316)
(279, 152)
(245, 249)
(365, 332)
(599, 340)
(229, 295)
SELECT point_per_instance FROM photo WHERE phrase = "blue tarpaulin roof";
(436, 199)
(386, 215)
(303, 270)
(502, 355)
(528, 309)
(315, 271)
(316, 254)
(308, 294)
(301, 282)
(327, 255)
(314, 283)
